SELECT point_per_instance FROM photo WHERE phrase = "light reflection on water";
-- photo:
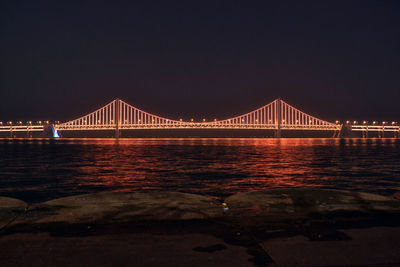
(37, 170)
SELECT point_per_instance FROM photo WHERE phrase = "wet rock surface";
(305, 205)
(295, 203)
(258, 228)
(113, 207)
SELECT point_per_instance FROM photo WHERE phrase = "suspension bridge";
(277, 115)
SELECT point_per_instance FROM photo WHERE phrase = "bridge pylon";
(278, 118)
(117, 117)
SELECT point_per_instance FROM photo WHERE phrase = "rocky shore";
(280, 227)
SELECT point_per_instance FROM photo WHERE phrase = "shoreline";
(258, 228)
(200, 138)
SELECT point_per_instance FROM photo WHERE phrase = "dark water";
(39, 170)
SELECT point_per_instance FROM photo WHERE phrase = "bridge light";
(180, 120)
(364, 122)
(191, 119)
(204, 120)
(39, 122)
(354, 122)
(20, 122)
(215, 119)
(47, 122)
(374, 122)
(393, 122)
(383, 122)
(10, 122)
(29, 122)
(1, 123)
(347, 122)
(337, 122)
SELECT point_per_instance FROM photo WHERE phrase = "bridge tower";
(278, 118)
(117, 117)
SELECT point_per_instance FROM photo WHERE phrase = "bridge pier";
(28, 132)
(278, 133)
(365, 133)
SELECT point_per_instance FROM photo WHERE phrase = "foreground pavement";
(279, 227)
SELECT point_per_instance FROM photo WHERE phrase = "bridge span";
(277, 115)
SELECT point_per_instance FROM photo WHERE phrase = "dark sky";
(332, 59)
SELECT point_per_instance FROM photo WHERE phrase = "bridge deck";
(375, 128)
(22, 128)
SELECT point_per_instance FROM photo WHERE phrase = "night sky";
(212, 59)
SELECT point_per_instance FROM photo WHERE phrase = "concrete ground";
(306, 227)
(376, 246)
(138, 249)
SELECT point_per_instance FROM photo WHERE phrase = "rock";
(396, 195)
(379, 203)
(261, 203)
(10, 208)
(109, 207)
(280, 204)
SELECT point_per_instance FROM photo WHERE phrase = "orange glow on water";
(208, 166)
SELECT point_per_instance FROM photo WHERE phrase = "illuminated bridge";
(277, 115)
